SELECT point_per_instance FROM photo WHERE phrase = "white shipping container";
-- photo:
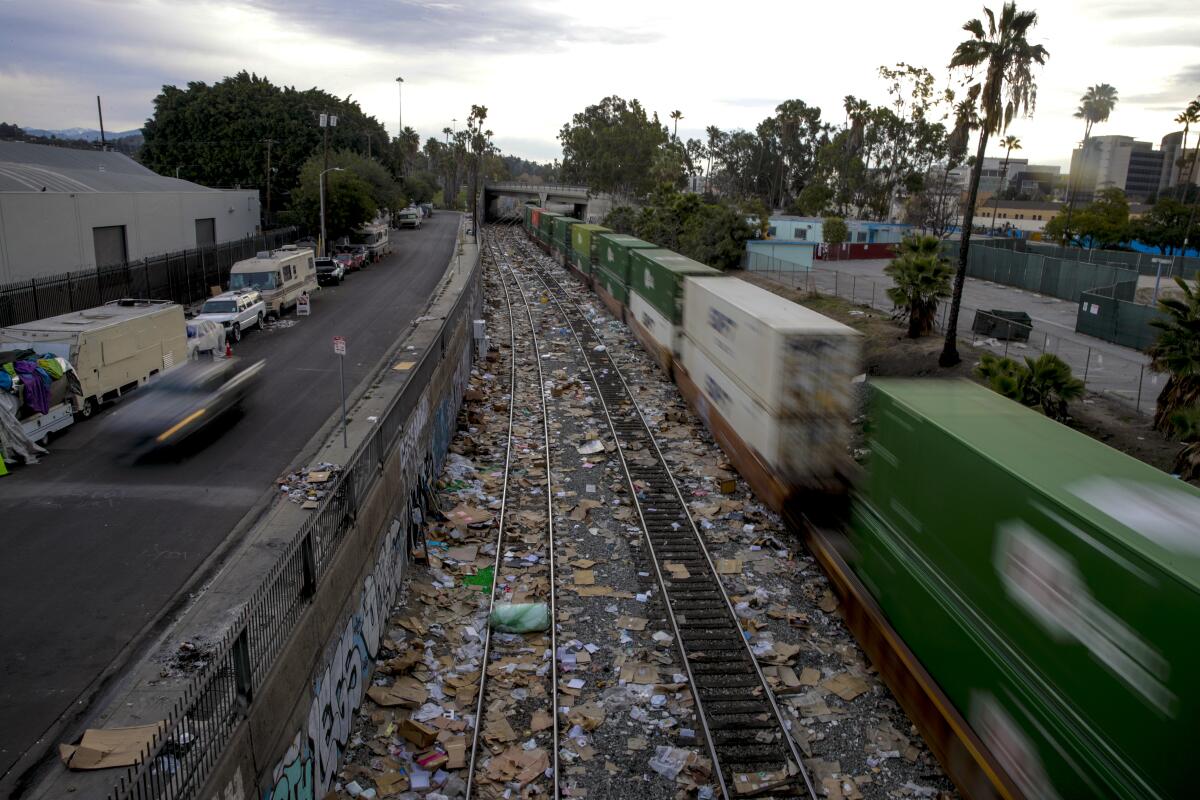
(795, 449)
(791, 359)
(650, 318)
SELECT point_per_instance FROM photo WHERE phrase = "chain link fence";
(183, 277)
(1126, 380)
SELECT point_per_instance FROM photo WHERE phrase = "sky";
(534, 64)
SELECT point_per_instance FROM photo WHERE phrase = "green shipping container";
(562, 233)
(1050, 584)
(612, 252)
(582, 248)
(613, 285)
(657, 275)
(546, 226)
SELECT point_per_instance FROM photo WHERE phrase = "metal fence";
(1143, 263)
(200, 724)
(1108, 314)
(183, 277)
(1129, 381)
(1055, 277)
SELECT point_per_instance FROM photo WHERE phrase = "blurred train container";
(561, 237)
(612, 290)
(794, 361)
(1048, 583)
(583, 245)
(613, 250)
(798, 452)
(656, 298)
(546, 228)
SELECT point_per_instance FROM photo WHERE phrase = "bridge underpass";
(503, 200)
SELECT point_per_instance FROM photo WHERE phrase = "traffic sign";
(339, 345)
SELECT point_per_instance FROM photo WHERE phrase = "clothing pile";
(30, 384)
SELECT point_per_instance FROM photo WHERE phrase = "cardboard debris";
(591, 447)
(465, 553)
(103, 748)
(580, 512)
(632, 623)
(584, 577)
(828, 603)
(846, 686)
(750, 783)
(729, 566)
(463, 515)
(678, 572)
(406, 691)
(418, 733)
(541, 721)
(586, 715)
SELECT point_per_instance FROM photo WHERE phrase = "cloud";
(1173, 36)
(1178, 90)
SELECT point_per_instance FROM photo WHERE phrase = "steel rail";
(766, 691)
(500, 538)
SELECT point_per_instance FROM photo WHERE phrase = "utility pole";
(327, 121)
(399, 107)
(267, 210)
(100, 113)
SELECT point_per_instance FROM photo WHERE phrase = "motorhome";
(113, 348)
(375, 238)
(281, 276)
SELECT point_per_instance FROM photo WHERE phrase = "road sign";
(303, 309)
(339, 345)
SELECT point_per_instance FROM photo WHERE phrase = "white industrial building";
(63, 210)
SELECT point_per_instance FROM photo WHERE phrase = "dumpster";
(999, 324)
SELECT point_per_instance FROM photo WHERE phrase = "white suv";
(236, 311)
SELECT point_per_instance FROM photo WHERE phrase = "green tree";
(1095, 106)
(1002, 48)
(1176, 352)
(353, 196)
(622, 219)
(921, 275)
(1162, 226)
(1044, 383)
(703, 228)
(612, 147)
(834, 231)
(812, 201)
(1105, 221)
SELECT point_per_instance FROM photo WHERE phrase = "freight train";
(1042, 588)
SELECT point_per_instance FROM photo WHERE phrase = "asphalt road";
(94, 547)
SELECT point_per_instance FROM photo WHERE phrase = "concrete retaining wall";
(290, 742)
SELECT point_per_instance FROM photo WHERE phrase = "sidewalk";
(1106, 368)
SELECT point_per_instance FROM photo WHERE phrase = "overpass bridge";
(503, 199)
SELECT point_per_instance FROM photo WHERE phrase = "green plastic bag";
(482, 578)
(520, 617)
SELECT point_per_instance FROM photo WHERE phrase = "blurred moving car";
(329, 272)
(184, 402)
(410, 218)
(204, 337)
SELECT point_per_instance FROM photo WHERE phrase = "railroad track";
(526, 579)
(742, 724)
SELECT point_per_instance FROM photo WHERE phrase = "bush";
(1044, 383)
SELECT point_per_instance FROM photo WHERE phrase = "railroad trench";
(694, 648)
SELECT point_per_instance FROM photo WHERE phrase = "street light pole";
(400, 107)
(324, 246)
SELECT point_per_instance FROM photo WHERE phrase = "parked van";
(280, 276)
(114, 348)
(374, 237)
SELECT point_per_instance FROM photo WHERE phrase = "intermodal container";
(562, 233)
(546, 226)
(795, 361)
(1050, 584)
(535, 219)
(613, 252)
(581, 245)
(657, 275)
(613, 285)
(661, 329)
(796, 450)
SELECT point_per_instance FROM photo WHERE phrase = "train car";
(546, 229)
(583, 247)
(1048, 583)
(560, 245)
(656, 299)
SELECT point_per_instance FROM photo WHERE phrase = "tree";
(1095, 106)
(352, 198)
(1104, 222)
(1176, 352)
(1045, 383)
(1185, 425)
(834, 232)
(612, 147)
(1162, 226)
(1186, 117)
(676, 115)
(705, 229)
(1010, 143)
(921, 275)
(812, 201)
(1008, 89)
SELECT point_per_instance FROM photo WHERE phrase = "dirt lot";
(888, 352)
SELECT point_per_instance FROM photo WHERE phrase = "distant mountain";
(84, 134)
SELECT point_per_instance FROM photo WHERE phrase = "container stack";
(545, 229)
(583, 245)
(779, 374)
(656, 298)
(1048, 583)
(561, 237)
(612, 268)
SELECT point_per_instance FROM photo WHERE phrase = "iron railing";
(183, 277)
(200, 724)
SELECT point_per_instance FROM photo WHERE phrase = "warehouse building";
(63, 210)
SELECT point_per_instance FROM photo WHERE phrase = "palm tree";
(714, 144)
(1045, 383)
(1186, 426)
(676, 115)
(1185, 118)
(1010, 143)
(1176, 352)
(922, 279)
(1095, 106)
(1008, 89)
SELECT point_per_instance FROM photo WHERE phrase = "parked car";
(359, 256)
(410, 218)
(204, 336)
(363, 252)
(347, 261)
(329, 272)
(426, 209)
(235, 310)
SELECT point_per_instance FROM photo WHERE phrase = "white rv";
(281, 276)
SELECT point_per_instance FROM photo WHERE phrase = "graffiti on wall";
(306, 770)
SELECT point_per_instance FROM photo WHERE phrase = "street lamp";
(324, 248)
(400, 107)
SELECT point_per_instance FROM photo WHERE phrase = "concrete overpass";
(504, 198)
